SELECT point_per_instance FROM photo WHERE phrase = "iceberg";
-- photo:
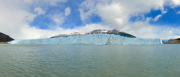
(91, 39)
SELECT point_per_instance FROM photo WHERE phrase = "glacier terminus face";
(91, 39)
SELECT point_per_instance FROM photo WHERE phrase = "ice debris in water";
(91, 39)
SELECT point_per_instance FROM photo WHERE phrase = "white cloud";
(145, 30)
(157, 17)
(176, 2)
(39, 11)
(164, 12)
(67, 11)
(160, 15)
(15, 17)
(41, 2)
(54, 2)
(117, 13)
(28, 1)
(58, 18)
(139, 29)
(178, 12)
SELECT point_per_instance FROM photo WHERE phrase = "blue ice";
(91, 39)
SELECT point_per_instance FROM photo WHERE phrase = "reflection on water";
(89, 61)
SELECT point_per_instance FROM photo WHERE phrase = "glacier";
(91, 39)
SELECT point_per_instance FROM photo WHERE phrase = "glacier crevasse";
(91, 39)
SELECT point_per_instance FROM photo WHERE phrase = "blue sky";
(69, 22)
(30, 19)
(171, 18)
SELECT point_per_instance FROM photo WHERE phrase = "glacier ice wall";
(91, 39)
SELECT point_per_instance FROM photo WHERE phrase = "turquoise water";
(89, 61)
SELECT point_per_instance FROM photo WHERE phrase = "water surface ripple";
(89, 61)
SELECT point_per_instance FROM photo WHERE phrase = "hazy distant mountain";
(66, 35)
(5, 38)
(103, 31)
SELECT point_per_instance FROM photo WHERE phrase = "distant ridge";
(97, 31)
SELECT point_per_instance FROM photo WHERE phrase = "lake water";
(90, 61)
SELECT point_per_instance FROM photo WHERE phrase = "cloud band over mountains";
(16, 16)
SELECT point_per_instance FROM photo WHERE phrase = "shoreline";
(4, 43)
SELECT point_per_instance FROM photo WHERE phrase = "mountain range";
(98, 31)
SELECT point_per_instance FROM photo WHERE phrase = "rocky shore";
(5, 38)
(176, 41)
(3, 43)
